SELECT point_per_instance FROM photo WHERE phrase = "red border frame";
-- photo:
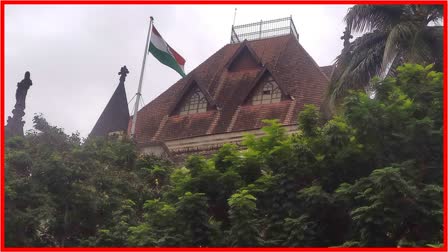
(119, 2)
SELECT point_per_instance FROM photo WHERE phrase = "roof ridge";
(282, 53)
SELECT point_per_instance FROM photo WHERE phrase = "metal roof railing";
(263, 29)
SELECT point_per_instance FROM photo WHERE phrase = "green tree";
(389, 210)
(192, 209)
(159, 227)
(243, 214)
(371, 176)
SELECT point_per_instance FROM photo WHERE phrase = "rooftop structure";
(263, 29)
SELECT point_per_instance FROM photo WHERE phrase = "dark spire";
(115, 116)
(346, 37)
(14, 125)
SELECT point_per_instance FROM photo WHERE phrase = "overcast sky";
(74, 52)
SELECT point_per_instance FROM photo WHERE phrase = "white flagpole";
(137, 100)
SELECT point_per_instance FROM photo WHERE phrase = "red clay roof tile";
(284, 56)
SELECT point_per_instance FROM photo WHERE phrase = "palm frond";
(427, 47)
(362, 18)
(356, 65)
(398, 40)
(396, 34)
(362, 68)
(357, 54)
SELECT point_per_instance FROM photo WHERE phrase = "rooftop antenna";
(234, 17)
(233, 31)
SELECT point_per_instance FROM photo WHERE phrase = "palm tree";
(392, 35)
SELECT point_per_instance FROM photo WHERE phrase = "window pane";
(194, 103)
(268, 92)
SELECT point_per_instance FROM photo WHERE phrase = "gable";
(193, 99)
(265, 91)
(243, 61)
(193, 102)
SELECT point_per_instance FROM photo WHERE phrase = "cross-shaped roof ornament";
(123, 73)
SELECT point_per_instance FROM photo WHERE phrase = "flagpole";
(138, 95)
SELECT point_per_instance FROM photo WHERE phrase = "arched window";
(268, 92)
(194, 103)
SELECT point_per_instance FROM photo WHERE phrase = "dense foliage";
(371, 176)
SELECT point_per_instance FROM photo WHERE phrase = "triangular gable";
(265, 72)
(243, 58)
(192, 83)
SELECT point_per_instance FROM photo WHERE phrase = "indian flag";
(164, 53)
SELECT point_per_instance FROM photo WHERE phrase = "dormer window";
(243, 59)
(195, 102)
(268, 92)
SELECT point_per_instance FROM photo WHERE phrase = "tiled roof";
(292, 67)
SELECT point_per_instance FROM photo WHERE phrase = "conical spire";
(115, 117)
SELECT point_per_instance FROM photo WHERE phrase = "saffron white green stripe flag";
(164, 53)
